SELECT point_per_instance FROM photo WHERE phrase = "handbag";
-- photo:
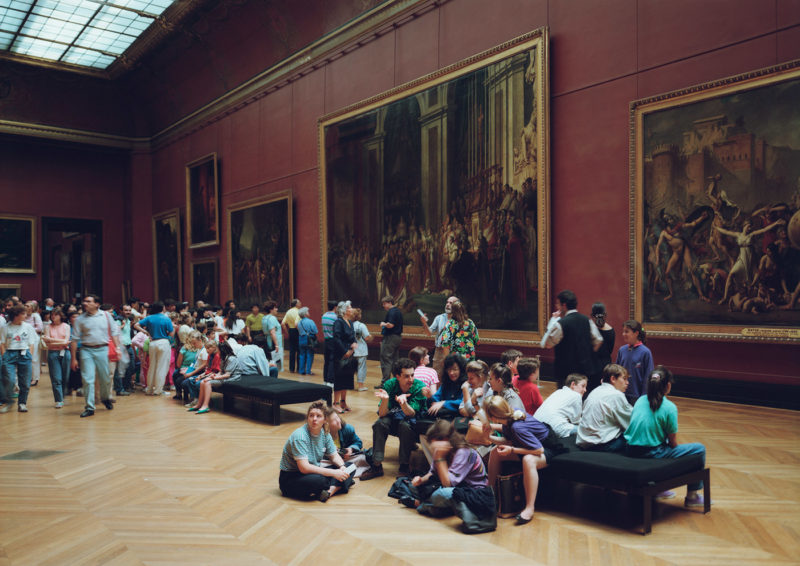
(510, 492)
(476, 435)
(113, 354)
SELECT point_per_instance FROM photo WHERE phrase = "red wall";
(603, 55)
(42, 178)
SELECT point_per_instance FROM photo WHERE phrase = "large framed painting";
(17, 244)
(205, 278)
(260, 249)
(8, 290)
(202, 202)
(715, 209)
(167, 257)
(441, 187)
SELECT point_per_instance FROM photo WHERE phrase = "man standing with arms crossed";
(94, 329)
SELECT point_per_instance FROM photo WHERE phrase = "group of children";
(508, 420)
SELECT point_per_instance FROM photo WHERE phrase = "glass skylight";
(89, 33)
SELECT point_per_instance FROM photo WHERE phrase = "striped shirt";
(327, 324)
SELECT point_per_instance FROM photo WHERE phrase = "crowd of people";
(473, 416)
(470, 417)
(102, 351)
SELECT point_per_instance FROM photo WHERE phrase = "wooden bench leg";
(707, 490)
(647, 514)
(276, 413)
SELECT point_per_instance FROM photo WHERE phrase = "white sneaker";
(22, 408)
(4, 408)
(59, 404)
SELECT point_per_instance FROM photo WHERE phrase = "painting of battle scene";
(260, 251)
(166, 255)
(440, 189)
(721, 218)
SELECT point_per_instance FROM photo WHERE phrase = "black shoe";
(403, 471)
(522, 521)
(87, 413)
(109, 404)
(123, 394)
(409, 502)
(373, 472)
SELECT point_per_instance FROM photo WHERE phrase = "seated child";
(561, 411)
(510, 359)
(653, 430)
(473, 390)
(528, 369)
(464, 487)
(425, 374)
(606, 413)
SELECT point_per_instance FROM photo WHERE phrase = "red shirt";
(530, 395)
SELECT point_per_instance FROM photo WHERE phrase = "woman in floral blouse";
(460, 336)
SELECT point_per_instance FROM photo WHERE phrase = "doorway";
(72, 265)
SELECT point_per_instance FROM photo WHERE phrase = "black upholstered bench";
(645, 477)
(261, 397)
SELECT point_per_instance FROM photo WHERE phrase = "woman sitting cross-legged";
(522, 440)
(206, 364)
(464, 487)
(302, 476)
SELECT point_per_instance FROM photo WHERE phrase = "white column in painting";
(433, 137)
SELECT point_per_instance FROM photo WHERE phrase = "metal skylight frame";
(76, 34)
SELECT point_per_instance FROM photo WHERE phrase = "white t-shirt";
(606, 415)
(18, 336)
(561, 410)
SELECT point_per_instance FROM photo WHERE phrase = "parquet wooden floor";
(150, 483)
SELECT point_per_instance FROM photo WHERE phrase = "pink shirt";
(59, 332)
(426, 375)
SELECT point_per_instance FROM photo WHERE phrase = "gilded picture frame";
(205, 281)
(17, 244)
(202, 202)
(445, 177)
(715, 209)
(261, 250)
(167, 256)
(8, 290)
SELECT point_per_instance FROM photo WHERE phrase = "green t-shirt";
(416, 400)
(651, 429)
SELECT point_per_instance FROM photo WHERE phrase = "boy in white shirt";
(606, 413)
(561, 411)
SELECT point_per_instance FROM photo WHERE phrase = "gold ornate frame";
(32, 232)
(172, 217)
(538, 40)
(278, 197)
(639, 111)
(16, 290)
(196, 263)
(209, 160)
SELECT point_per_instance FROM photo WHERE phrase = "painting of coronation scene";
(438, 192)
(721, 227)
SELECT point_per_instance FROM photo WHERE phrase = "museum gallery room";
(644, 154)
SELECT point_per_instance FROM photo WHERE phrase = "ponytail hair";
(657, 385)
(503, 373)
(636, 327)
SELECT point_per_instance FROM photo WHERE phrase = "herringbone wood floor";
(152, 484)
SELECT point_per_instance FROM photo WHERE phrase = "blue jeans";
(94, 365)
(306, 358)
(17, 367)
(440, 504)
(59, 372)
(680, 450)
